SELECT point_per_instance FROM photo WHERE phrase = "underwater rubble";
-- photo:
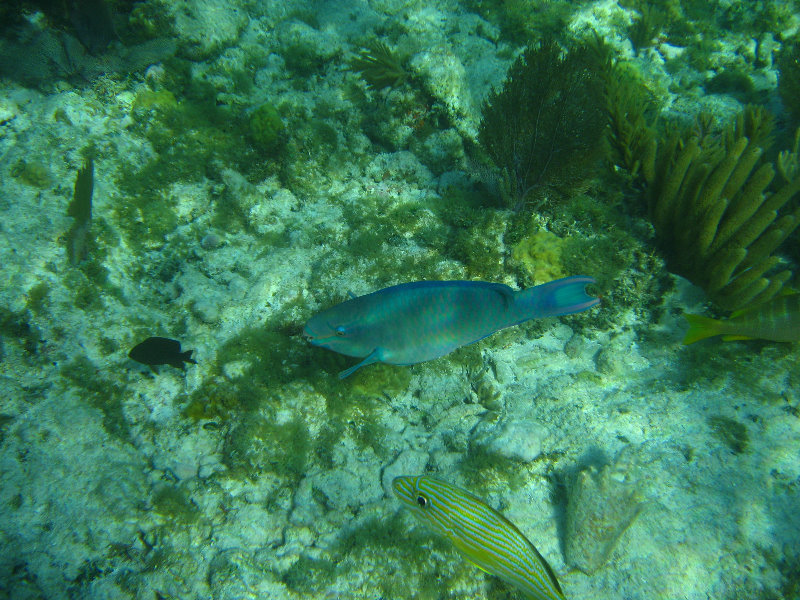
(185, 185)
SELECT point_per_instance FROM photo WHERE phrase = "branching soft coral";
(716, 214)
(379, 67)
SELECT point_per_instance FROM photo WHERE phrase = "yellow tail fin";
(700, 328)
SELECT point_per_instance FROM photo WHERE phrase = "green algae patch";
(193, 141)
(249, 381)
(360, 407)
(734, 83)
(99, 392)
(274, 355)
(162, 101)
(20, 327)
(173, 502)
(32, 173)
(266, 128)
(149, 218)
(258, 445)
(150, 20)
(369, 432)
(351, 413)
(402, 551)
(89, 282)
(37, 298)
(220, 400)
(381, 381)
(514, 17)
(482, 468)
(589, 377)
(308, 575)
(478, 247)
(247, 367)
(730, 432)
(383, 224)
(329, 435)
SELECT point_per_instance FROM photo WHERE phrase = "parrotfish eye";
(340, 331)
(422, 501)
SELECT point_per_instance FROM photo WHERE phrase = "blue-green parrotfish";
(777, 320)
(413, 322)
(484, 536)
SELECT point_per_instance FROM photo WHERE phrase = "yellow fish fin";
(466, 553)
(701, 327)
(474, 564)
(733, 338)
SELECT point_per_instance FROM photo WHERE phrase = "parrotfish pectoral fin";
(374, 356)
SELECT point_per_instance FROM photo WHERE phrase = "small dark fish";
(161, 351)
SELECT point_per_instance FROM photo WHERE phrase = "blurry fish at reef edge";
(161, 351)
(483, 536)
(413, 322)
(777, 320)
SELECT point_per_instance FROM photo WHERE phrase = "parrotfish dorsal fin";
(505, 292)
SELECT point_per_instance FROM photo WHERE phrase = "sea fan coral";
(544, 128)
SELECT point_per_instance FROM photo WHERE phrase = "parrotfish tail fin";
(187, 356)
(560, 297)
(374, 356)
(700, 328)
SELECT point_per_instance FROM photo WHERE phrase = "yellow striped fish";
(485, 537)
(777, 320)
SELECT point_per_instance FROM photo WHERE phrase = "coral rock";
(602, 504)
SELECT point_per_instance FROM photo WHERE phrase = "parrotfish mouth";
(308, 334)
(314, 339)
